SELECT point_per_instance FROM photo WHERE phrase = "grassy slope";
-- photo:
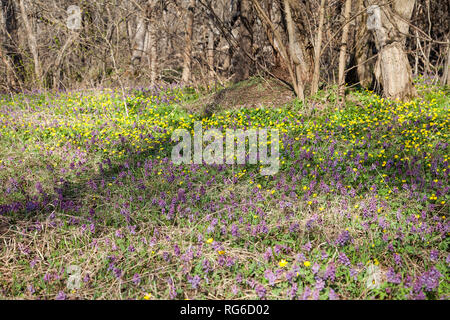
(82, 184)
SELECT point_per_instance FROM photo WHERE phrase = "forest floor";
(92, 206)
(253, 93)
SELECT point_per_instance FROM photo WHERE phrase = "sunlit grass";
(84, 184)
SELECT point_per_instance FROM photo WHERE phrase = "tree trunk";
(186, 77)
(318, 47)
(147, 47)
(144, 45)
(392, 69)
(244, 63)
(363, 50)
(10, 74)
(281, 48)
(211, 51)
(59, 59)
(9, 44)
(343, 51)
(295, 51)
(139, 40)
(31, 43)
(153, 53)
(446, 74)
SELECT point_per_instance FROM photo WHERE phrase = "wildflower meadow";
(93, 207)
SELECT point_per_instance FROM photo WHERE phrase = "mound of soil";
(251, 93)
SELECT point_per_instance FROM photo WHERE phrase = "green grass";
(83, 184)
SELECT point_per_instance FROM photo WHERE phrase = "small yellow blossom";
(282, 263)
(148, 296)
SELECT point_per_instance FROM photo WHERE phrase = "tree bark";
(32, 43)
(244, 63)
(211, 51)
(59, 59)
(318, 46)
(153, 53)
(9, 44)
(446, 74)
(295, 51)
(10, 75)
(139, 40)
(343, 50)
(363, 49)
(392, 70)
(144, 45)
(186, 76)
(281, 48)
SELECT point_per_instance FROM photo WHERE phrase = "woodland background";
(305, 44)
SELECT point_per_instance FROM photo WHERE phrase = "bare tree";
(446, 73)
(390, 26)
(344, 45)
(140, 39)
(186, 77)
(211, 50)
(295, 51)
(143, 42)
(32, 43)
(364, 45)
(244, 63)
(9, 51)
(317, 49)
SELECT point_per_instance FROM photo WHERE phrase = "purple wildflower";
(270, 276)
(172, 290)
(307, 247)
(61, 296)
(420, 296)
(393, 277)
(306, 293)
(117, 272)
(268, 254)
(194, 281)
(431, 279)
(434, 255)
(31, 289)
(332, 295)
(292, 292)
(176, 250)
(235, 231)
(343, 259)
(330, 272)
(47, 277)
(315, 268)
(260, 291)
(343, 238)
(136, 278)
(398, 260)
